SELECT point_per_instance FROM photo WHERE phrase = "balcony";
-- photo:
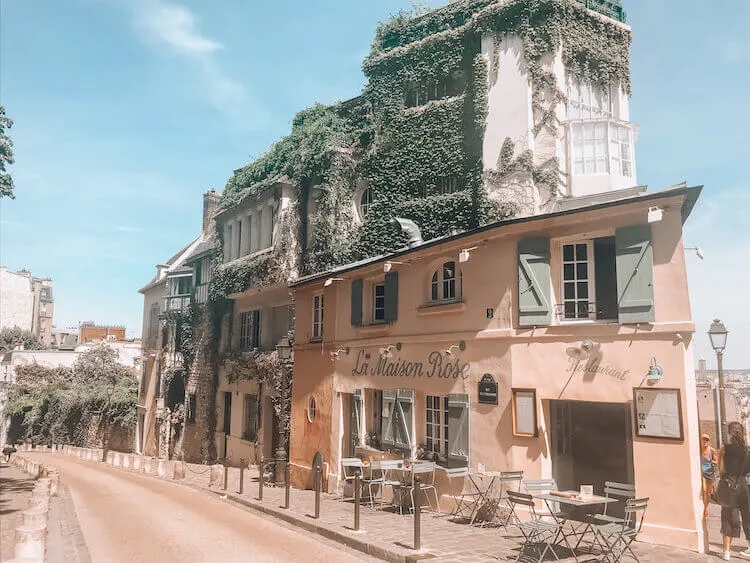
(610, 8)
(177, 303)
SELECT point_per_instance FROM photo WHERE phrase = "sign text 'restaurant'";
(437, 366)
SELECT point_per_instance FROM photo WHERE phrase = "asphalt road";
(129, 517)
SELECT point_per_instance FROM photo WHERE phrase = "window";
(447, 185)
(250, 424)
(153, 322)
(281, 323)
(378, 302)
(589, 280)
(621, 155)
(576, 280)
(317, 317)
(588, 101)
(239, 238)
(191, 408)
(365, 202)
(423, 92)
(250, 330)
(312, 409)
(437, 424)
(228, 244)
(589, 148)
(443, 285)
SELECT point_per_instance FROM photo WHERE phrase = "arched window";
(312, 409)
(446, 282)
(365, 201)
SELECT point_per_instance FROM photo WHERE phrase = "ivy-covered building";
(472, 113)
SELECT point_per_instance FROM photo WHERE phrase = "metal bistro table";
(571, 499)
(484, 484)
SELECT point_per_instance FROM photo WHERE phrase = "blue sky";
(126, 111)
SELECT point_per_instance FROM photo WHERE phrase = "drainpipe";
(411, 229)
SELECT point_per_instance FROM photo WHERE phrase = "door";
(227, 427)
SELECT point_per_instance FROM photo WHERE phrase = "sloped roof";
(174, 262)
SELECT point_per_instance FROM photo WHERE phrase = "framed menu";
(658, 413)
(524, 413)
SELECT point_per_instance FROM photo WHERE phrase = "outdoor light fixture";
(461, 346)
(698, 251)
(284, 348)
(337, 354)
(388, 266)
(655, 214)
(587, 345)
(330, 281)
(387, 353)
(655, 372)
(718, 336)
(463, 256)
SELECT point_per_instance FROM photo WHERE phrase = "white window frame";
(318, 316)
(438, 279)
(436, 430)
(375, 306)
(582, 105)
(364, 206)
(591, 279)
(617, 147)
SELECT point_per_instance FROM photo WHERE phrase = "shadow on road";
(10, 487)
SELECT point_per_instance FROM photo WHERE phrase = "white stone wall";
(16, 300)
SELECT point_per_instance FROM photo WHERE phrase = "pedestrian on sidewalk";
(732, 490)
(709, 461)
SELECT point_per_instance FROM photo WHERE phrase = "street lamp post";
(717, 334)
(284, 348)
(105, 437)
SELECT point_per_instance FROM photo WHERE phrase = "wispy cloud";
(170, 26)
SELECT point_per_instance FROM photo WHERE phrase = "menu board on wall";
(658, 413)
(524, 412)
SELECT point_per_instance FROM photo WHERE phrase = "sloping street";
(129, 517)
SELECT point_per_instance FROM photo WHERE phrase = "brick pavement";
(390, 536)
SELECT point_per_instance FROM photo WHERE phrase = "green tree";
(12, 337)
(6, 156)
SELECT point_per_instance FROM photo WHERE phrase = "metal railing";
(177, 302)
(612, 9)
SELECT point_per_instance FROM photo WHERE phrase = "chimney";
(701, 370)
(210, 207)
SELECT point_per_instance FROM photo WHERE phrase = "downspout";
(411, 229)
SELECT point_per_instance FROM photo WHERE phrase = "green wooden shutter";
(357, 302)
(534, 282)
(391, 297)
(458, 426)
(389, 407)
(403, 430)
(634, 257)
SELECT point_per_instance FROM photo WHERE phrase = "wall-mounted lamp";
(386, 353)
(698, 251)
(587, 345)
(337, 354)
(655, 214)
(330, 281)
(461, 346)
(463, 256)
(655, 372)
(388, 266)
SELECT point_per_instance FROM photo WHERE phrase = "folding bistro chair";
(545, 486)
(464, 495)
(509, 481)
(537, 531)
(391, 472)
(351, 466)
(619, 491)
(376, 480)
(426, 471)
(617, 537)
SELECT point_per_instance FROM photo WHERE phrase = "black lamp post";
(718, 336)
(105, 439)
(284, 348)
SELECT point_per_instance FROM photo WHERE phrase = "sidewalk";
(390, 536)
(15, 492)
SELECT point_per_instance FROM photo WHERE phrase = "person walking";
(732, 490)
(709, 461)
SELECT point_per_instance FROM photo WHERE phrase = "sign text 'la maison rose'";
(436, 366)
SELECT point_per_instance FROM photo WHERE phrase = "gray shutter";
(534, 282)
(635, 274)
(458, 426)
(391, 297)
(357, 302)
(403, 421)
(389, 406)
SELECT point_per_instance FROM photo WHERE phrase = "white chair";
(464, 495)
(352, 466)
(375, 480)
(426, 472)
(392, 469)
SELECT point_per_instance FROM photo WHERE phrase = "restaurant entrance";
(591, 443)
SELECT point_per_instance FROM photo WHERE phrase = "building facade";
(26, 302)
(559, 345)
(92, 332)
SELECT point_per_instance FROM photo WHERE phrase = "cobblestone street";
(383, 534)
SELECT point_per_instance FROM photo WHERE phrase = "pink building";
(558, 344)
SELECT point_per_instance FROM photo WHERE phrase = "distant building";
(90, 332)
(26, 302)
(64, 338)
(736, 399)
